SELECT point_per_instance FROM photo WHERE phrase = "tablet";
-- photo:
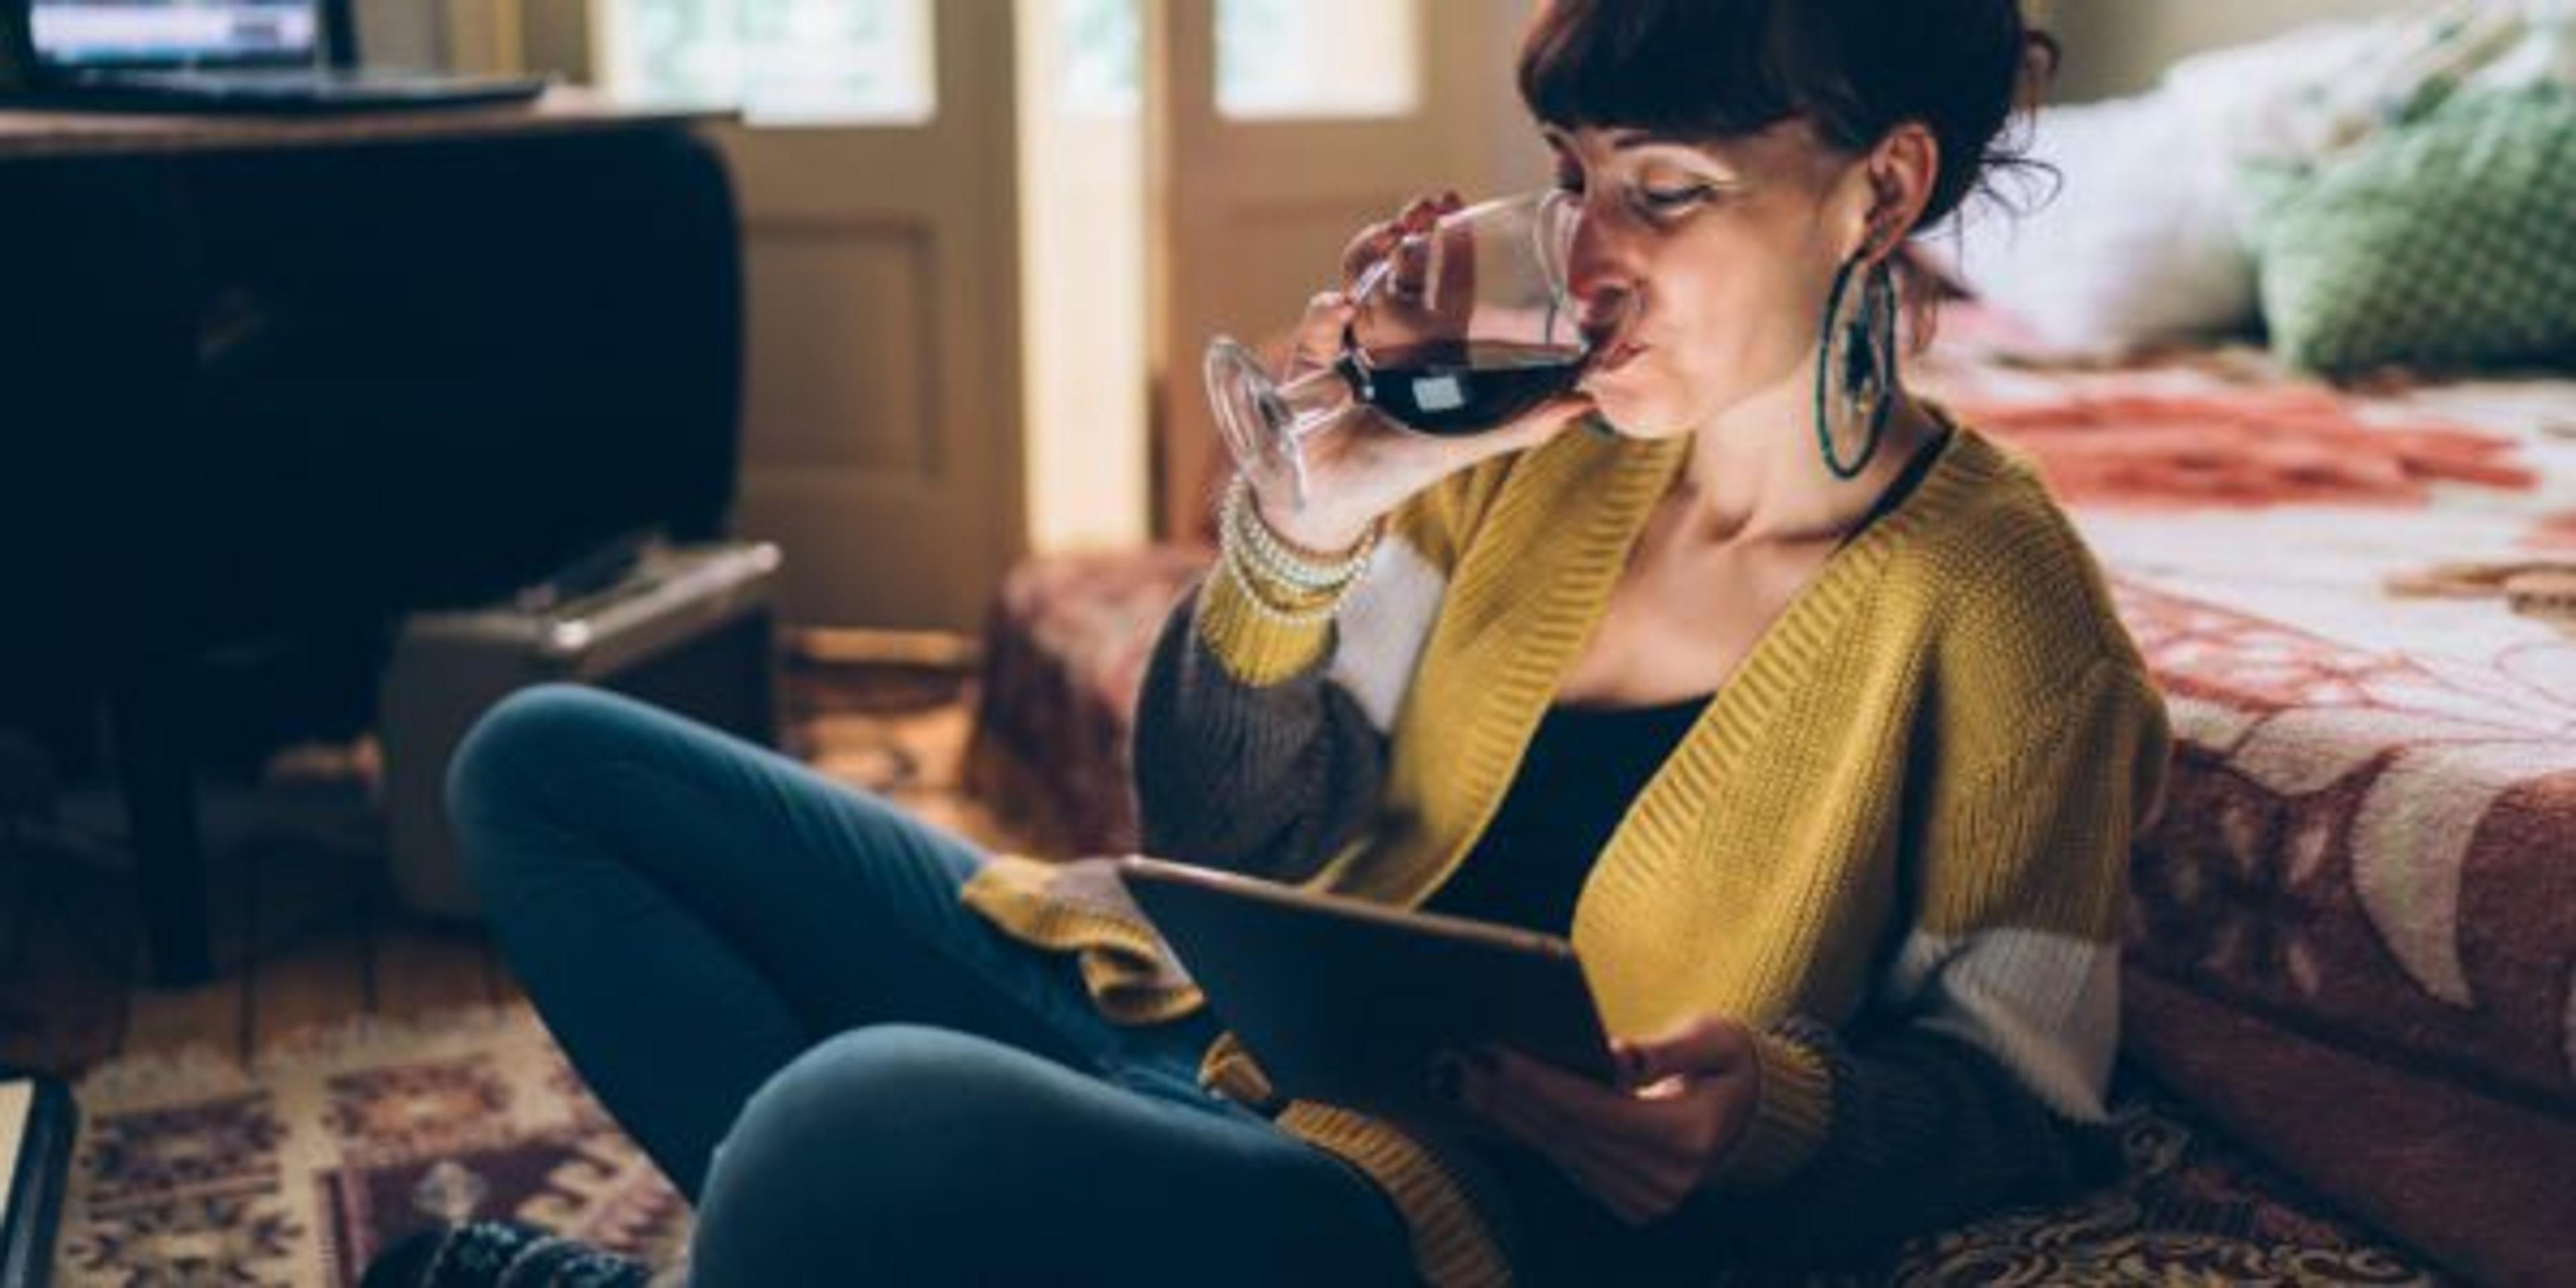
(1347, 1002)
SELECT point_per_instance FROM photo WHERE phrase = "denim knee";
(520, 733)
(880, 1141)
(503, 760)
(909, 1095)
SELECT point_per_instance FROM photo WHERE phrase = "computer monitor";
(74, 34)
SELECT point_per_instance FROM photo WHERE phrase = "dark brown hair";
(1706, 70)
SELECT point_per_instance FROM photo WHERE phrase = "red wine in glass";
(1464, 327)
(1459, 387)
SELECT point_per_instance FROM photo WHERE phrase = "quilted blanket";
(2354, 930)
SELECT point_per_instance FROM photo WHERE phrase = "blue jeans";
(768, 979)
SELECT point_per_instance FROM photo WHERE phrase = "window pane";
(1279, 59)
(1098, 46)
(855, 62)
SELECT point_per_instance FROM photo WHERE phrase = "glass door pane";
(1317, 59)
(784, 62)
(1097, 48)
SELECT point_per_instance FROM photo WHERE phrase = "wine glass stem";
(1305, 407)
(1311, 402)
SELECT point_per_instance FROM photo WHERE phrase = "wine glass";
(1462, 328)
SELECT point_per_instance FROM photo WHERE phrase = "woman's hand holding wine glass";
(1452, 341)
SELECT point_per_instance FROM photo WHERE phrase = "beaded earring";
(1856, 358)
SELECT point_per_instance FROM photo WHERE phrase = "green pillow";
(2446, 243)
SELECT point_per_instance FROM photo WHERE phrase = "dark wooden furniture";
(294, 378)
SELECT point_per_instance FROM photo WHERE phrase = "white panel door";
(876, 175)
(1278, 128)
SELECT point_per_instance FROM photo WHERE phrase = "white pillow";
(2258, 100)
(2138, 243)
(2304, 96)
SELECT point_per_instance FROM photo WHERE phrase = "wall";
(1520, 161)
(484, 35)
(2116, 47)
(511, 35)
(399, 33)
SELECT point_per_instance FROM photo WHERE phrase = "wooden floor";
(304, 933)
(305, 928)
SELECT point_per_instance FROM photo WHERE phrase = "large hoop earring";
(1857, 358)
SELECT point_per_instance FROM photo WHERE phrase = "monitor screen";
(92, 33)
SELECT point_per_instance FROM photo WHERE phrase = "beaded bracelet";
(1230, 560)
(1241, 523)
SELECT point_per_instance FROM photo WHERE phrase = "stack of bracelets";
(1281, 584)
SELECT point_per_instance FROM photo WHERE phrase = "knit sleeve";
(1261, 741)
(1977, 1078)
(1265, 777)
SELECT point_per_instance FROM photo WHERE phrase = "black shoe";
(499, 1254)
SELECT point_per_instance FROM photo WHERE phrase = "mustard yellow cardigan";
(1914, 799)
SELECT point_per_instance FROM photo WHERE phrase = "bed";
(2352, 936)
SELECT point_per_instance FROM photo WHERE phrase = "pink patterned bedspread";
(2369, 840)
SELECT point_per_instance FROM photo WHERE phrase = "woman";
(1799, 707)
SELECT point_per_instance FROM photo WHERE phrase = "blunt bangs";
(1696, 70)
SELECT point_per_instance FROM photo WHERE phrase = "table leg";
(161, 808)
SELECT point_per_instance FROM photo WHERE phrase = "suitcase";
(690, 629)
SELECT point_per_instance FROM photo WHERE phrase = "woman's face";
(1728, 250)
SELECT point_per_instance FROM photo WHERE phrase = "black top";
(1583, 769)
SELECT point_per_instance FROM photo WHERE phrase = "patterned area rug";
(299, 1169)
(193, 1170)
